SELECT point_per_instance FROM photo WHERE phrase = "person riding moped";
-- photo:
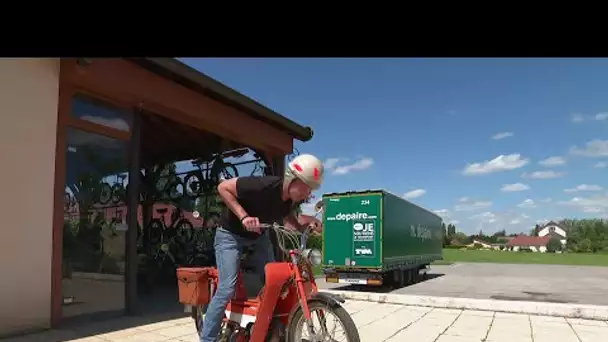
(251, 201)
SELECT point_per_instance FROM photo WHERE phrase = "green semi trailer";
(373, 237)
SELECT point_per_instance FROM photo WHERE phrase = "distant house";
(533, 243)
(553, 229)
(484, 244)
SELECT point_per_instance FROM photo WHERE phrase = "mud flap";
(329, 298)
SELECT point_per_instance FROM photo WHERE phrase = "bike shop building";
(67, 125)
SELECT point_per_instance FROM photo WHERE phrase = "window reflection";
(94, 238)
(101, 113)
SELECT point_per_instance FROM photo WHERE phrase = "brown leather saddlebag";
(193, 285)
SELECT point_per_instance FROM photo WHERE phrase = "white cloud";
(467, 204)
(577, 117)
(593, 148)
(487, 215)
(498, 164)
(543, 174)
(331, 163)
(589, 204)
(502, 135)
(585, 187)
(361, 164)
(514, 187)
(442, 212)
(594, 210)
(492, 221)
(446, 215)
(547, 200)
(527, 204)
(601, 116)
(601, 165)
(414, 193)
(553, 161)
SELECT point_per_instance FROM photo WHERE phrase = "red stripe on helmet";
(297, 167)
(316, 173)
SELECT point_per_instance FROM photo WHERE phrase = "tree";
(500, 233)
(587, 235)
(451, 230)
(444, 230)
(535, 230)
(554, 245)
(461, 238)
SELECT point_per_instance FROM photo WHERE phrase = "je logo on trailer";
(360, 227)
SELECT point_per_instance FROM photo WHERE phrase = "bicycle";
(284, 306)
(202, 180)
(180, 226)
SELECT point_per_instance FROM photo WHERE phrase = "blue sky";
(431, 128)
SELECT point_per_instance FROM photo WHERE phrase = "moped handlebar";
(303, 237)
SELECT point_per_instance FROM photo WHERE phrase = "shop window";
(101, 113)
(94, 235)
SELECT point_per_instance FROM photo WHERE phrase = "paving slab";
(377, 322)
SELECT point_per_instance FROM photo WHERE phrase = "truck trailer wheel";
(411, 276)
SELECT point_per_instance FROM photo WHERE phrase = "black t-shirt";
(261, 197)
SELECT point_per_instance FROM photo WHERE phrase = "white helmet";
(307, 168)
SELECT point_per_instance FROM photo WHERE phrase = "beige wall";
(29, 91)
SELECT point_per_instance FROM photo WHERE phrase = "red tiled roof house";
(534, 243)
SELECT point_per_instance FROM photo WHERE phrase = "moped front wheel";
(330, 323)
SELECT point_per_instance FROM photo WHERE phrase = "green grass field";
(454, 255)
(317, 271)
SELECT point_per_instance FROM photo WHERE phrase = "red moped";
(283, 309)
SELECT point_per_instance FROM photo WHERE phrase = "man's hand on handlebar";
(252, 224)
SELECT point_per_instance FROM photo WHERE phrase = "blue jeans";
(228, 248)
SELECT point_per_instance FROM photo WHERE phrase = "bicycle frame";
(289, 285)
(284, 290)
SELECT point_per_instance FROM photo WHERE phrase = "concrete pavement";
(512, 282)
(377, 322)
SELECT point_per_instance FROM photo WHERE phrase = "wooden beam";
(128, 84)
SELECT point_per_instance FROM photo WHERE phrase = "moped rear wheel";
(297, 331)
(198, 314)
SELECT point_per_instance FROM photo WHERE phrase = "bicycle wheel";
(175, 190)
(184, 231)
(67, 201)
(298, 326)
(223, 170)
(193, 184)
(105, 193)
(156, 231)
(118, 193)
(230, 171)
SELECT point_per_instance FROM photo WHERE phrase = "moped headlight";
(313, 256)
